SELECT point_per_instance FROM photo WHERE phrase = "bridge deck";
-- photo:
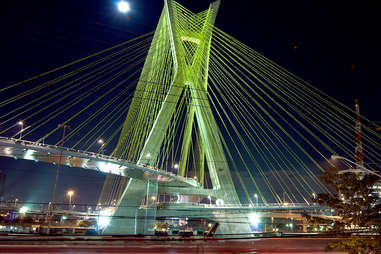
(28, 150)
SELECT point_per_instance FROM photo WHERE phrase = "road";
(263, 246)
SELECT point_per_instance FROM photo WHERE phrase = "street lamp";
(102, 143)
(210, 200)
(285, 203)
(70, 193)
(24, 209)
(314, 196)
(176, 168)
(153, 200)
(21, 123)
(360, 168)
(256, 199)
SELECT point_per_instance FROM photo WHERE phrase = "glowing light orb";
(7, 151)
(108, 167)
(29, 155)
(24, 209)
(123, 6)
(254, 219)
(219, 202)
(104, 217)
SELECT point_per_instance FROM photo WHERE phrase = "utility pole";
(51, 207)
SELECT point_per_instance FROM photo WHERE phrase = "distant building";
(2, 183)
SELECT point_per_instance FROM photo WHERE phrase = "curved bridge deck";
(28, 150)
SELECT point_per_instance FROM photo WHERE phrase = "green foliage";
(354, 202)
(357, 245)
(353, 199)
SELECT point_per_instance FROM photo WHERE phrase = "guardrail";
(246, 206)
(27, 142)
(92, 154)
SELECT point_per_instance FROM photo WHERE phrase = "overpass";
(28, 150)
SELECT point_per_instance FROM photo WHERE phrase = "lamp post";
(147, 159)
(362, 168)
(102, 143)
(70, 193)
(21, 123)
(285, 203)
(176, 167)
(314, 196)
(210, 200)
(256, 199)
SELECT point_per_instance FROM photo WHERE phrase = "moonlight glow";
(123, 6)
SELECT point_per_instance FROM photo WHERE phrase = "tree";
(354, 201)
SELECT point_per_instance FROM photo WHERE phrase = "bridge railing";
(32, 143)
(243, 206)
(40, 150)
(67, 149)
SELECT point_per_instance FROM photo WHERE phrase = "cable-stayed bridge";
(237, 127)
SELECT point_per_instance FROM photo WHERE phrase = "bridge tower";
(177, 64)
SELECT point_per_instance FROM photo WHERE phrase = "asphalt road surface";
(264, 245)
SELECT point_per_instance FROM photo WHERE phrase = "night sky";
(332, 44)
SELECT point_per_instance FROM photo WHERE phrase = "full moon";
(123, 6)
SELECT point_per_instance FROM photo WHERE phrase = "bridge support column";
(232, 226)
(128, 218)
(149, 215)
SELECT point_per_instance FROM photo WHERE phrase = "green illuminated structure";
(175, 74)
(203, 106)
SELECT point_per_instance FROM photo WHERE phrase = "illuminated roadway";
(134, 245)
(28, 150)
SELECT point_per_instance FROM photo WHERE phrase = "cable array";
(275, 131)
